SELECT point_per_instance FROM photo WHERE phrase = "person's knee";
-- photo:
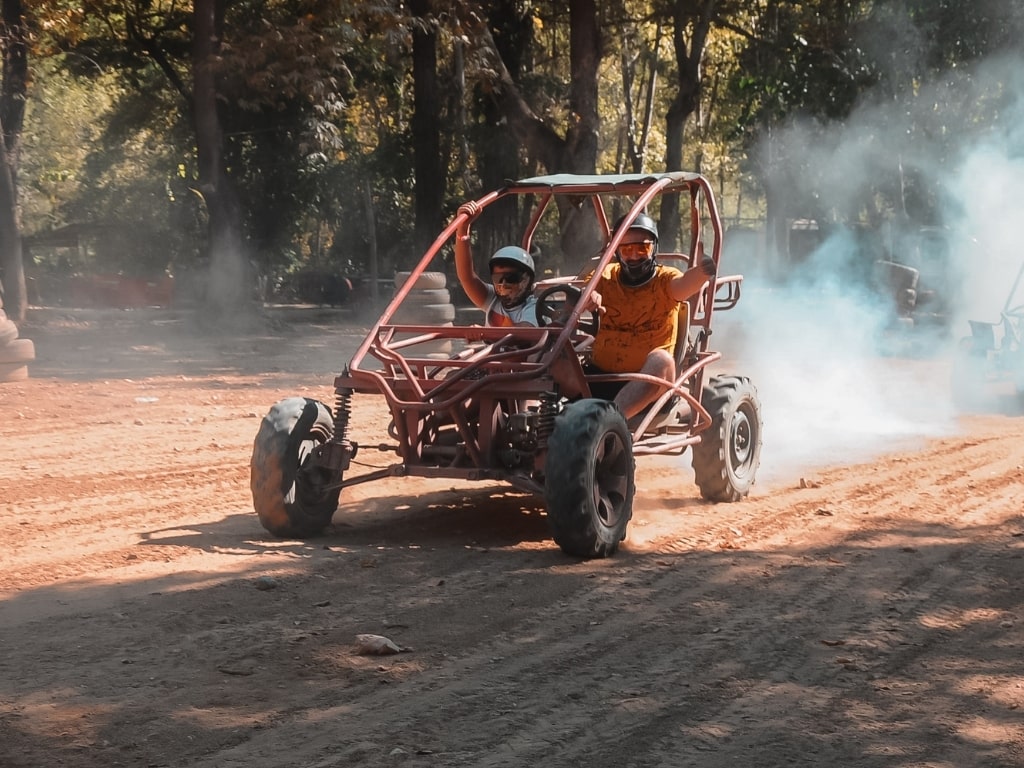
(659, 363)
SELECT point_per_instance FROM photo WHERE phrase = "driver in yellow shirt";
(639, 301)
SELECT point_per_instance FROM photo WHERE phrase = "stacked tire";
(15, 353)
(428, 303)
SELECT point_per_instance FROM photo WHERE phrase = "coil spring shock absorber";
(546, 413)
(342, 412)
(342, 450)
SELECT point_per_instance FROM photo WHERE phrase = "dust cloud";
(989, 192)
(807, 331)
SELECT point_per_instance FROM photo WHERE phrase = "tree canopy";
(281, 135)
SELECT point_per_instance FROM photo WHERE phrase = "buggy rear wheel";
(292, 497)
(589, 479)
(726, 459)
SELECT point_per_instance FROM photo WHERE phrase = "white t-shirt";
(521, 314)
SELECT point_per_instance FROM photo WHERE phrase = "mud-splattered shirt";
(638, 319)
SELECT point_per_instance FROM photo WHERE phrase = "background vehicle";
(918, 284)
(514, 405)
(988, 366)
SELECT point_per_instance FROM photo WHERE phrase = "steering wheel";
(554, 304)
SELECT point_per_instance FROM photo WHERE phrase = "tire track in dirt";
(102, 518)
(984, 466)
(92, 484)
(815, 595)
(101, 499)
(697, 647)
(554, 678)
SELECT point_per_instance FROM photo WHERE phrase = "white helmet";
(513, 254)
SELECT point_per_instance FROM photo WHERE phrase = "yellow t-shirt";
(637, 320)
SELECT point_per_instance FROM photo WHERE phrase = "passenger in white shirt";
(508, 300)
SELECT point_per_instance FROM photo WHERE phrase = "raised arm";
(475, 288)
(693, 279)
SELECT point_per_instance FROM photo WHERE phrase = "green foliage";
(886, 82)
(315, 103)
(79, 165)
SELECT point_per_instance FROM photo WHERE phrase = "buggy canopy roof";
(609, 182)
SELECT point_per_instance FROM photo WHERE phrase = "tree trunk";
(498, 159)
(228, 292)
(426, 132)
(374, 254)
(580, 154)
(576, 151)
(689, 55)
(12, 114)
(11, 265)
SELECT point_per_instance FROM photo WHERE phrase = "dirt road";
(855, 613)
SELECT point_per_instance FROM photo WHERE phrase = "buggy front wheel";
(292, 496)
(589, 479)
(729, 453)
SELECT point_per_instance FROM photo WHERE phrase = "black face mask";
(636, 273)
(512, 300)
(512, 289)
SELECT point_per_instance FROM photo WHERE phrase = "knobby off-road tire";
(726, 459)
(428, 303)
(8, 330)
(19, 351)
(427, 296)
(291, 499)
(427, 281)
(424, 314)
(13, 372)
(589, 479)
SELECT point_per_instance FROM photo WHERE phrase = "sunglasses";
(507, 278)
(643, 248)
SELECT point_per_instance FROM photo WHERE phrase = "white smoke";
(827, 395)
(989, 187)
(807, 334)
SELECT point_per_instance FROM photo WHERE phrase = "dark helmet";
(642, 222)
(639, 272)
(513, 255)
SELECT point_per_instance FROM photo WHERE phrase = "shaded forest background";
(242, 142)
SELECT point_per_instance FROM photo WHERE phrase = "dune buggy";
(478, 403)
(917, 282)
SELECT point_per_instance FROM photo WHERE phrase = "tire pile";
(428, 303)
(15, 353)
